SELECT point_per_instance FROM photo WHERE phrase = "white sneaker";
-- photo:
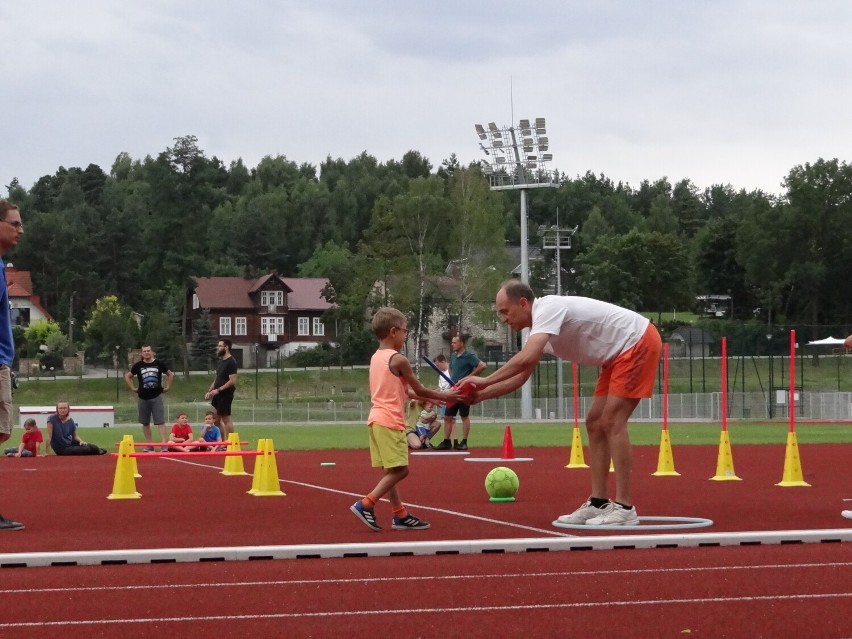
(584, 513)
(847, 514)
(617, 515)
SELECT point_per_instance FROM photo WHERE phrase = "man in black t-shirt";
(149, 388)
(221, 392)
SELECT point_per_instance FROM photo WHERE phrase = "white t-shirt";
(584, 330)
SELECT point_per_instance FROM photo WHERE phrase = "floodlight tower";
(516, 159)
(558, 239)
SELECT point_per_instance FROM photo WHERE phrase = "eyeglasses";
(17, 223)
(405, 330)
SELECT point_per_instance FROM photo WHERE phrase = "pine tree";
(203, 341)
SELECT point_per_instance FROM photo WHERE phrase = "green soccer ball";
(501, 484)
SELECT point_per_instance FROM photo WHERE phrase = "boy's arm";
(400, 364)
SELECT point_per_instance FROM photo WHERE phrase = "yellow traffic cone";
(577, 459)
(725, 461)
(265, 481)
(124, 484)
(665, 461)
(611, 465)
(233, 463)
(132, 459)
(792, 464)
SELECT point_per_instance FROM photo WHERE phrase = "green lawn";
(353, 436)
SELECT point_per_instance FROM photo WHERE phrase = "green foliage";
(204, 341)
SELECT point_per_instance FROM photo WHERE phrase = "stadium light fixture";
(516, 160)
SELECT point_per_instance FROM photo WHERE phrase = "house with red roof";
(270, 315)
(25, 306)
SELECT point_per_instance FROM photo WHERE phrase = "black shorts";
(222, 403)
(462, 410)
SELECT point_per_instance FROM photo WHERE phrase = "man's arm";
(128, 376)
(479, 368)
(170, 376)
(518, 368)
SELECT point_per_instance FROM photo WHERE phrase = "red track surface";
(765, 591)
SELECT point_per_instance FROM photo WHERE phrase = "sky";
(734, 92)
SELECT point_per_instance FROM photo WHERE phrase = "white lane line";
(443, 611)
(427, 578)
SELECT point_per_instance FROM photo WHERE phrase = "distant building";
(265, 316)
(689, 341)
(25, 306)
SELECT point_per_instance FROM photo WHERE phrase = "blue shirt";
(63, 432)
(212, 434)
(7, 343)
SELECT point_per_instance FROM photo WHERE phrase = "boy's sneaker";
(584, 513)
(847, 514)
(617, 515)
(409, 522)
(148, 449)
(366, 515)
(8, 524)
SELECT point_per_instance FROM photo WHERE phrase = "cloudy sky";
(727, 91)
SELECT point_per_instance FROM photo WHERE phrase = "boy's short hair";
(182, 413)
(30, 422)
(385, 319)
(211, 413)
(441, 358)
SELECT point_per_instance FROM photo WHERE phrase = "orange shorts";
(633, 373)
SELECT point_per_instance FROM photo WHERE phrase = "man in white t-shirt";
(626, 347)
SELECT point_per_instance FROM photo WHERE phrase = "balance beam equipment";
(124, 484)
(265, 480)
(233, 463)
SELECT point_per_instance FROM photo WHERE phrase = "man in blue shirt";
(11, 229)
(462, 364)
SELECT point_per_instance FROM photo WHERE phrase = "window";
(272, 325)
(319, 327)
(240, 326)
(304, 326)
(195, 302)
(224, 326)
(268, 298)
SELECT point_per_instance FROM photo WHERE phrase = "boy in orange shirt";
(391, 382)
(31, 442)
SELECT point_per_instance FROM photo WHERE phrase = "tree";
(204, 341)
(110, 330)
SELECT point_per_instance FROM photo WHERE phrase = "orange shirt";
(387, 392)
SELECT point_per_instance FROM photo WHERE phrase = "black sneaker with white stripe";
(409, 522)
(8, 524)
(366, 515)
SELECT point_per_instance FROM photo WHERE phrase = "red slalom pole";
(724, 384)
(792, 402)
(665, 385)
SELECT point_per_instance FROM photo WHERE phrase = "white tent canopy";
(828, 341)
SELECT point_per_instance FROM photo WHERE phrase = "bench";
(83, 416)
(348, 389)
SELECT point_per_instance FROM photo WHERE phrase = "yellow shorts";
(633, 373)
(388, 447)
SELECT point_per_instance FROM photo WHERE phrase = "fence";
(699, 407)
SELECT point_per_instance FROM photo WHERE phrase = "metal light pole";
(116, 373)
(277, 369)
(558, 239)
(256, 369)
(516, 159)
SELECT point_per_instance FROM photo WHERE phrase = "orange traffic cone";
(508, 447)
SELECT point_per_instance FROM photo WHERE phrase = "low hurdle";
(265, 481)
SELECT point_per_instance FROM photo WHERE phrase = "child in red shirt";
(31, 442)
(181, 434)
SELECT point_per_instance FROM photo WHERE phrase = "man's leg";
(227, 426)
(465, 427)
(606, 425)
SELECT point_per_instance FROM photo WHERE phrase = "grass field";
(353, 436)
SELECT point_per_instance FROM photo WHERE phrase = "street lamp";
(770, 380)
(256, 370)
(116, 373)
(516, 159)
(558, 239)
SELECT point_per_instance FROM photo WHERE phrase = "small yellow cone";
(233, 463)
(577, 459)
(265, 481)
(665, 460)
(792, 464)
(124, 484)
(611, 465)
(725, 461)
(132, 459)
